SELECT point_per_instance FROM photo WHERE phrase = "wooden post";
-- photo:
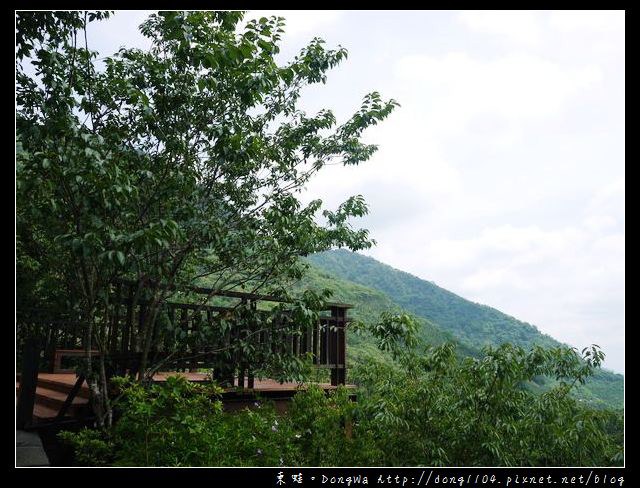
(338, 346)
(252, 328)
(308, 340)
(196, 316)
(327, 342)
(28, 383)
(315, 343)
(184, 325)
(230, 367)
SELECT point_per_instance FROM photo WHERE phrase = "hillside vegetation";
(444, 316)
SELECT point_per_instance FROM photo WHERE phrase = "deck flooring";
(258, 385)
(53, 388)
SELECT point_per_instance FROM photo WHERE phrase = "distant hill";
(472, 322)
(370, 303)
(444, 316)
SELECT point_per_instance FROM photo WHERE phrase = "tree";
(171, 164)
(431, 408)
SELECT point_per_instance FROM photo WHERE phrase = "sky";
(501, 175)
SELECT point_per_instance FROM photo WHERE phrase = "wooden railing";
(324, 342)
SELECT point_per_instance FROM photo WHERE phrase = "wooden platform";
(53, 388)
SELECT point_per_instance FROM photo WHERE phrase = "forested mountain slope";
(473, 322)
(373, 286)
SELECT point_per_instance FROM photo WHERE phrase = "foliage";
(179, 423)
(395, 333)
(90, 447)
(442, 317)
(164, 416)
(474, 323)
(426, 409)
(435, 410)
(185, 162)
(323, 422)
(167, 165)
(369, 304)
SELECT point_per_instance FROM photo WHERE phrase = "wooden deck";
(59, 395)
(53, 388)
(259, 385)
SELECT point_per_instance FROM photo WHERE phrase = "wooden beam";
(70, 397)
(235, 294)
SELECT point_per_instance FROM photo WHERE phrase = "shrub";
(422, 409)
(90, 447)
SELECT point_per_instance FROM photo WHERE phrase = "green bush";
(428, 409)
(435, 410)
(179, 423)
(90, 447)
(322, 422)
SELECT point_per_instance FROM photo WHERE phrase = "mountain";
(373, 286)
(370, 303)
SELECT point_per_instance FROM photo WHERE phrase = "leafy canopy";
(167, 165)
(191, 152)
(177, 162)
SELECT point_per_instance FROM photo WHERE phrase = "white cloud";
(519, 245)
(513, 87)
(598, 21)
(501, 177)
(122, 31)
(404, 149)
(599, 222)
(489, 182)
(484, 279)
(513, 25)
(567, 279)
(609, 197)
(301, 22)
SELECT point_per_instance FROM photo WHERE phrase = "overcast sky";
(501, 176)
